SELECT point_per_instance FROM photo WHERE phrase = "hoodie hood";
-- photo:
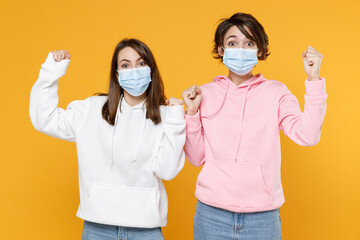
(226, 82)
(225, 87)
(228, 87)
(126, 106)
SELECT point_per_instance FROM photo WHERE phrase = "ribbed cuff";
(58, 68)
(175, 112)
(193, 122)
(315, 88)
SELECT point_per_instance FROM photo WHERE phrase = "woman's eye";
(124, 66)
(250, 44)
(142, 64)
(231, 44)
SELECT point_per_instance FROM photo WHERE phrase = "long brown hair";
(155, 95)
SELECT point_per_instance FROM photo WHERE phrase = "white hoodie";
(121, 166)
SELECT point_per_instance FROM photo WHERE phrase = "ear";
(260, 52)
(220, 51)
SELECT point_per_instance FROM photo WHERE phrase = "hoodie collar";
(225, 82)
(124, 104)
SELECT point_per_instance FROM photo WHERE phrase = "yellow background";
(39, 179)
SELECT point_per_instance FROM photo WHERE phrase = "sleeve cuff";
(52, 66)
(193, 122)
(175, 112)
(315, 88)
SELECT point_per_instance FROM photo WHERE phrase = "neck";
(239, 79)
(134, 100)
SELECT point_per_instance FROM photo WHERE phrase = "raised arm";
(304, 128)
(45, 114)
(194, 145)
(170, 157)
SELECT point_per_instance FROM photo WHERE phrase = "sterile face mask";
(136, 80)
(240, 60)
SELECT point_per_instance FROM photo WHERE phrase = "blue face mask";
(135, 81)
(240, 60)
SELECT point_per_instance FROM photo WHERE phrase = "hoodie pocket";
(124, 206)
(231, 185)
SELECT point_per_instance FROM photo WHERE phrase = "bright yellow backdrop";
(38, 178)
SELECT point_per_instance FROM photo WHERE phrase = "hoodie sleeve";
(194, 145)
(170, 157)
(45, 114)
(304, 128)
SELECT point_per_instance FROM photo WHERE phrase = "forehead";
(235, 31)
(128, 53)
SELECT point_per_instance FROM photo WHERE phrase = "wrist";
(191, 112)
(314, 78)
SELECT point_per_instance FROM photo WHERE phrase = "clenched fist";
(60, 55)
(312, 60)
(192, 99)
(173, 101)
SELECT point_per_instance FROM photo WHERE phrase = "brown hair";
(242, 20)
(155, 95)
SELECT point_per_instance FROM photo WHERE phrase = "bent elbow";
(316, 141)
(37, 123)
(168, 175)
(195, 161)
(311, 141)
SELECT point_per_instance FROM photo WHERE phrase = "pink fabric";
(235, 134)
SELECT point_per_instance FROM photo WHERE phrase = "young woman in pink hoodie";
(233, 129)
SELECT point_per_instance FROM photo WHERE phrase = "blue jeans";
(96, 231)
(211, 223)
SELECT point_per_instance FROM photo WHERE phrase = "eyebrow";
(126, 60)
(234, 36)
(231, 37)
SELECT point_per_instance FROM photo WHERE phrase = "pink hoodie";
(236, 135)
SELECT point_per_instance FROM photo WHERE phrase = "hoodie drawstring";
(241, 118)
(141, 138)
(113, 137)
(241, 121)
(139, 142)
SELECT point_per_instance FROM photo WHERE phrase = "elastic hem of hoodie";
(163, 222)
(273, 206)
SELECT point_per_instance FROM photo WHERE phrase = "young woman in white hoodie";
(127, 141)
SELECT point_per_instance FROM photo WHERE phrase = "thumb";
(304, 54)
(67, 55)
(305, 61)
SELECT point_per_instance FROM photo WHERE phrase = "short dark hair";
(242, 20)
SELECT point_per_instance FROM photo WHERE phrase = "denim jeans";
(96, 231)
(211, 223)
